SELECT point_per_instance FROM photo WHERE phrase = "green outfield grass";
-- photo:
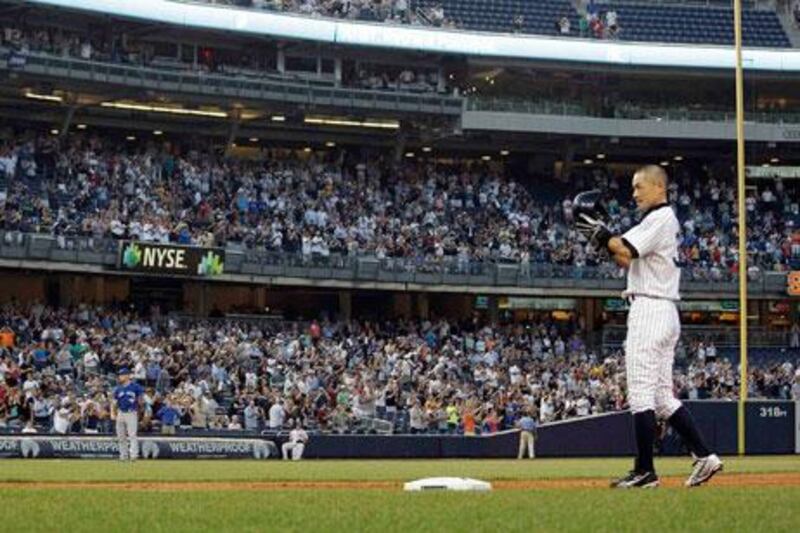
(84, 508)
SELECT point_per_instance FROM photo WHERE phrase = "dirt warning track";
(721, 480)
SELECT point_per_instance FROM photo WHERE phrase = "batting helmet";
(589, 203)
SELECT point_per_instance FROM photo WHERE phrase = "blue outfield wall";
(501, 445)
(772, 427)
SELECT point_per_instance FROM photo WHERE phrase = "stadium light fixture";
(678, 158)
(253, 139)
(600, 156)
(130, 138)
(382, 124)
(278, 118)
(504, 152)
(81, 126)
(129, 106)
(774, 160)
(54, 131)
(426, 149)
(409, 154)
(330, 144)
(486, 157)
(45, 97)
(587, 161)
(665, 163)
(158, 132)
(765, 165)
(307, 149)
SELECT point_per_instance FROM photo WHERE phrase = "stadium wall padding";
(771, 427)
(411, 446)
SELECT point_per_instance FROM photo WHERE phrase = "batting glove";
(595, 230)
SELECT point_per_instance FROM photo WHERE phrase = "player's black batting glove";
(595, 230)
(589, 211)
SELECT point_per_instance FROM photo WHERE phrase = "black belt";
(630, 298)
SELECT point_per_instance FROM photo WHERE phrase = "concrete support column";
(337, 71)
(99, 290)
(281, 61)
(402, 305)
(345, 305)
(423, 305)
(493, 310)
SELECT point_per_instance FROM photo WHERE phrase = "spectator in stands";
(564, 25)
(277, 415)
(796, 12)
(437, 15)
(169, 416)
(597, 28)
(400, 8)
(518, 23)
(63, 417)
(583, 26)
(612, 24)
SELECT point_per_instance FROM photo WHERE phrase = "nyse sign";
(170, 259)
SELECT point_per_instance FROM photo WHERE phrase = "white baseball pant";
(127, 426)
(653, 330)
(296, 448)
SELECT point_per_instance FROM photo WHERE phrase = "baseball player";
(296, 444)
(125, 410)
(649, 251)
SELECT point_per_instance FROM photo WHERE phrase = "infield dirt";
(788, 479)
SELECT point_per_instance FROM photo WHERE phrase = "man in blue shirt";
(169, 416)
(125, 409)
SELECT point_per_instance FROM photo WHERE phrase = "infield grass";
(86, 508)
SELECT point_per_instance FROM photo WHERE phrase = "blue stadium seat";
(690, 24)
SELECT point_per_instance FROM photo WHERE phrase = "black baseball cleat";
(643, 480)
(624, 479)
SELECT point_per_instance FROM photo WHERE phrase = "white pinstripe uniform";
(653, 321)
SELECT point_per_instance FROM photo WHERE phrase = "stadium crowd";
(58, 366)
(390, 11)
(325, 206)
(131, 50)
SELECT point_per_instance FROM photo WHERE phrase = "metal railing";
(624, 112)
(199, 83)
(103, 252)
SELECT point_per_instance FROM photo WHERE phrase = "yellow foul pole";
(737, 29)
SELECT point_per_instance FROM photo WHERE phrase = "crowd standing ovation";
(58, 366)
(326, 206)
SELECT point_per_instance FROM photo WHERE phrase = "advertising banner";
(172, 259)
(95, 447)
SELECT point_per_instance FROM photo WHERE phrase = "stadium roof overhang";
(566, 51)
